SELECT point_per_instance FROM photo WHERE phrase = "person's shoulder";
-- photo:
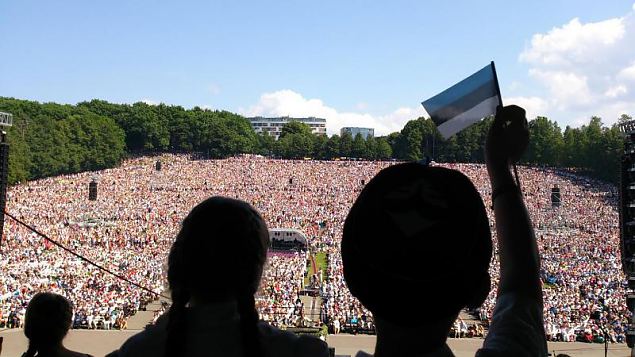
(284, 343)
(147, 342)
(70, 353)
(363, 354)
(484, 352)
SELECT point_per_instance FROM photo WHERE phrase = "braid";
(31, 351)
(177, 323)
(199, 253)
(249, 325)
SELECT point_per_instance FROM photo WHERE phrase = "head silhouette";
(218, 256)
(416, 246)
(48, 319)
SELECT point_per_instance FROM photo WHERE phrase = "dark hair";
(415, 229)
(47, 321)
(225, 241)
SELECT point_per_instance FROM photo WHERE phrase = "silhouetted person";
(47, 321)
(214, 269)
(416, 250)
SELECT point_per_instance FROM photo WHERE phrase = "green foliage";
(383, 150)
(296, 145)
(333, 147)
(594, 148)
(266, 144)
(358, 148)
(546, 144)
(416, 140)
(346, 145)
(320, 146)
(51, 139)
(295, 127)
(223, 134)
(296, 141)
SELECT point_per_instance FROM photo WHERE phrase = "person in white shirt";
(214, 269)
(89, 320)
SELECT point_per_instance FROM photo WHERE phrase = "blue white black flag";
(466, 102)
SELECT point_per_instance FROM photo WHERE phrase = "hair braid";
(249, 325)
(31, 351)
(199, 252)
(177, 322)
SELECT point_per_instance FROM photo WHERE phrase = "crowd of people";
(278, 299)
(132, 224)
(579, 245)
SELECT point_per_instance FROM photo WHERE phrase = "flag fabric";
(466, 102)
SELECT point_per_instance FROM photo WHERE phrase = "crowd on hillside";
(131, 226)
(278, 299)
(579, 246)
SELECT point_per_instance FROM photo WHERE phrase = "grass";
(321, 263)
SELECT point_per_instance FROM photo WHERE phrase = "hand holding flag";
(508, 137)
(466, 102)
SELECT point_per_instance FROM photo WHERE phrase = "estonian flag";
(466, 102)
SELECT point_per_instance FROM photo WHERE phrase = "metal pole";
(498, 89)
(433, 140)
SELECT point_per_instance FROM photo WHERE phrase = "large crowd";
(132, 224)
(278, 299)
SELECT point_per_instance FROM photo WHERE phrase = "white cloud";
(150, 101)
(573, 42)
(566, 88)
(628, 73)
(289, 103)
(616, 91)
(585, 68)
(534, 106)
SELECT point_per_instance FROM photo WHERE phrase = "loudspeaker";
(627, 214)
(630, 336)
(157, 166)
(555, 197)
(92, 191)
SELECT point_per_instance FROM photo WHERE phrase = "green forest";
(49, 139)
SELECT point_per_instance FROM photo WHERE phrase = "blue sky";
(354, 62)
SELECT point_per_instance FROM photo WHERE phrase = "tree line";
(50, 139)
(592, 149)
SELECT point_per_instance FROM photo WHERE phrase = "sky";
(353, 62)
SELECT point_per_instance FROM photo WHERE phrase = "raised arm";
(516, 327)
(519, 260)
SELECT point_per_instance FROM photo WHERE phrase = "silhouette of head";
(218, 256)
(47, 321)
(417, 245)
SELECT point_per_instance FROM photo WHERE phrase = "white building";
(273, 126)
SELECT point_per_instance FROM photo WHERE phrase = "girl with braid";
(47, 321)
(214, 269)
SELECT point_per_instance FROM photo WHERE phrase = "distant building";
(366, 132)
(273, 126)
